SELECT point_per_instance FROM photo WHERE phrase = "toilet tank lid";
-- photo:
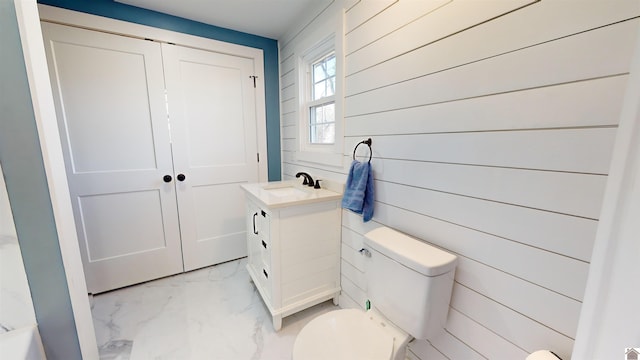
(413, 253)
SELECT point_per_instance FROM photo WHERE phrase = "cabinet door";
(211, 102)
(110, 102)
(259, 247)
(253, 235)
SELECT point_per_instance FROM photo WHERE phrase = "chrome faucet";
(308, 180)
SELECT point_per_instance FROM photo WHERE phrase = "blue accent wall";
(26, 180)
(115, 10)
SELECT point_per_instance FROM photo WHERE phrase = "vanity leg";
(336, 300)
(277, 323)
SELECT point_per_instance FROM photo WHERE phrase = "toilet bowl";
(409, 286)
(350, 334)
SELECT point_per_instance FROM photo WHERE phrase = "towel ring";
(368, 143)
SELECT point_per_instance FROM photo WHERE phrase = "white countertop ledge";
(279, 194)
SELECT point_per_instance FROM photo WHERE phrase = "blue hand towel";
(358, 195)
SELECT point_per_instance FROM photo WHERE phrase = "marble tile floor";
(16, 307)
(212, 313)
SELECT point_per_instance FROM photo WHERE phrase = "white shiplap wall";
(492, 125)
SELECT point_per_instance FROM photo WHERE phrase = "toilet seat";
(346, 334)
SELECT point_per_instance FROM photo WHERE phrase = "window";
(320, 95)
(322, 105)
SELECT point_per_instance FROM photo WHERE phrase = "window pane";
(329, 113)
(322, 114)
(331, 86)
(323, 134)
(319, 90)
(322, 124)
(312, 134)
(331, 65)
(319, 72)
(315, 115)
(324, 88)
(323, 77)
(324, 68)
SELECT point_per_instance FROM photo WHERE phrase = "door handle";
(181, 177)
(167, 178)
(254, 224)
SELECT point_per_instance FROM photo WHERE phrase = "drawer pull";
(265, 273)
(254, 224)
(264, 244)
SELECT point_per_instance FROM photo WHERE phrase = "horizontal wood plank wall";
(492, 127)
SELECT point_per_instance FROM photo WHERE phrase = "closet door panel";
(212, 114)
(110, 102)
(105, 92)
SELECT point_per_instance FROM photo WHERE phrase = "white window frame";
(312, 103)
(326, 154)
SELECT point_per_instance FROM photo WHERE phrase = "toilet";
(409, 287)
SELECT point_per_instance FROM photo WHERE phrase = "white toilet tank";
(409, 281)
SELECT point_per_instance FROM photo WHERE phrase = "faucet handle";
(317, 185)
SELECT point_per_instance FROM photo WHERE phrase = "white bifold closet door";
(213, 129)
(156, 139)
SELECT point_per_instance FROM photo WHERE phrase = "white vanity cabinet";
(294, 249)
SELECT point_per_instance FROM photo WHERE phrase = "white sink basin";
(285, 191)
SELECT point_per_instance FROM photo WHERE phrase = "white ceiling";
(268, 18)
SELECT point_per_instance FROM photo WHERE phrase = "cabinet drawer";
(262, 278)
(265, 252)
(265, 280)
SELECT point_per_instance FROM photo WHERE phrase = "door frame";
(51, 147)
(610, 299)
(119, 27)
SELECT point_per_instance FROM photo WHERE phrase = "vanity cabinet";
(294, 253)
